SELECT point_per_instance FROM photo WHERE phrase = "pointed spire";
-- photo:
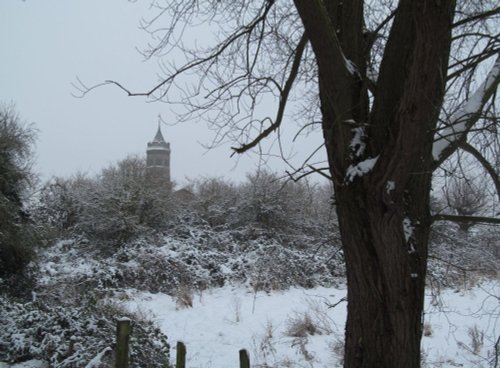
(159, 137)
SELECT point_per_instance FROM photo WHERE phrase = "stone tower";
(158, 159)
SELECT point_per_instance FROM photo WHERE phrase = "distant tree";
(397, 87)
(466, 198)
(115, 206)
(264, 202)
(215, 200)
(280, 205)
(61, 203)
(17, 235)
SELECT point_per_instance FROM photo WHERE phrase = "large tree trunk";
(383, 208)
(385, 276)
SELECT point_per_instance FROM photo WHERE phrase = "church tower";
(158, 159)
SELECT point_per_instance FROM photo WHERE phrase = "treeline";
(120, 203)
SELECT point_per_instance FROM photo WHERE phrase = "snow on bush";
(463, 258)
(199, 258)
(73, 336)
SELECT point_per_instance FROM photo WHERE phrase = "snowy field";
(296, 328)
(304, 327)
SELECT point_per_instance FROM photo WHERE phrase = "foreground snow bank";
(300, 328)
(29, 364)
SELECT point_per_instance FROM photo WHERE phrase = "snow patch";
(96, 361)
(351, 67)
(407, 228)
(34, 363)
(360, 168)
(357, 144)
(390, 186)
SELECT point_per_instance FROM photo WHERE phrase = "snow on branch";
(360, 169)
(463, 119)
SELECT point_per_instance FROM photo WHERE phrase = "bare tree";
(397, 88)
(466, 198)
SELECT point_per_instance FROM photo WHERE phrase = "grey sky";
(47, 44)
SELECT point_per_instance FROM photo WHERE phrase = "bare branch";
(466, 219)
(451, 264)
(476, 17)
(283, 99)
(241, 32)
(471, 62)
(312, 170)
(485, 163)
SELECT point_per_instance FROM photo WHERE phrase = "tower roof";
(158, 142)
(158, 137)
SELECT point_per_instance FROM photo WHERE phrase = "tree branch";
(485, 163)
(283, 98)
(447, 141)
(471, 62)
(479, 16)
(457, 218)
(332, 63)
(463, 269)
(216, 53)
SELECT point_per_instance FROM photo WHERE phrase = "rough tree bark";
(382, 192)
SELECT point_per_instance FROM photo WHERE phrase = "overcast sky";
(46, 45)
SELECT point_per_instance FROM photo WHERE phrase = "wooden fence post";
(180, 361)
(244, 359)
(122, 338)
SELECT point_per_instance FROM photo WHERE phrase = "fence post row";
(122, 340)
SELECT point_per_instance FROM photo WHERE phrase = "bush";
(71, 336)
(114, 207)
(17, 235)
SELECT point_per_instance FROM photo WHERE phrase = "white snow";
(97, 360)
(35, 363)
(407, 228)
(350, 66)
(390, 186)
(357, 144)
(223, 321)
(360, 169)
(458, 121)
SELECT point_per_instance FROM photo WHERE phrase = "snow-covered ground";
(461, 327)
(35, 363)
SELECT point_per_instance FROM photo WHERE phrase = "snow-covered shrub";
(265, 202)
(215, 201)
(61, 201)
(18, 237)
(276, 267)
(462, 258)
(198, 258)
(71, 336)
(114, 207)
